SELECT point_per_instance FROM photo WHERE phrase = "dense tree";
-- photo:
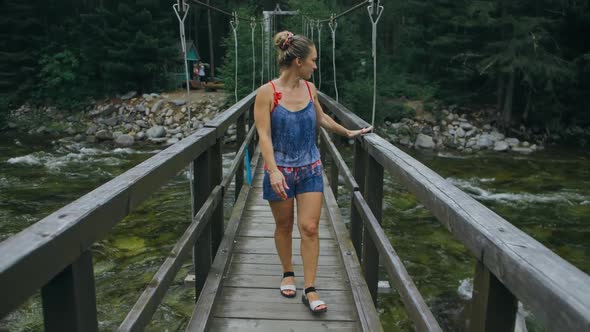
(528, 59)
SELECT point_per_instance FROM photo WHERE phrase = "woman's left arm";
(327, 122)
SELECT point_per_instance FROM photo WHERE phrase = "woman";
(286, 112)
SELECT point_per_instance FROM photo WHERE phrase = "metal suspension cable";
(375, 11)
(234, 25)
(333, 25)
(253, 28)
(261, 54)
(182, 7)
(319, 26)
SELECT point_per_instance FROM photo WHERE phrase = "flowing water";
(546, 195)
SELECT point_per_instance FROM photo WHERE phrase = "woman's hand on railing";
(355, 133)
(278, 183)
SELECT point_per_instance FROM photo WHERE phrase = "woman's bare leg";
(282, 211)
(309, 206)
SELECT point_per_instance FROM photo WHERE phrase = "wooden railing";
(510, 265)
(55, 254)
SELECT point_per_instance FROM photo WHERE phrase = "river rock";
(466, 125)
(485, 141)
(424, 142)
(91, 130)
(512, 141)
(70, 131)
(142, 109)
(103, 135)
(178, 117)
(158, 139)
(141, 123)
(156, 132)
(124, 140)
(104, 111)
(172, 140)
(460, 132)
(156, 106)
(111, 121)
(526, 144)
(500, 146)
(128, 95)
(497, 136)
(140, 135)
(178, 102)
(522, 150)
(487, 127)
(116, 134)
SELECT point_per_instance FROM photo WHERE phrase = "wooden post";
(493, 306)
(356, 222)
(216, 176)
(69, 299)
(334, 177)
(202, 256)
(374, 197)
(240, 136)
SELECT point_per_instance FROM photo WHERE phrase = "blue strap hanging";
(248, 173)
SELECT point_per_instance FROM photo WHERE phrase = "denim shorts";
(302, 179)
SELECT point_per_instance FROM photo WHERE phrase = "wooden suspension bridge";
(237, 271)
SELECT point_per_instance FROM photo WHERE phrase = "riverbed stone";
(156, 107)
(485, 141)
(124, 140)
(424, 142)
(156, 132)
(104, 135)
(522, 150)
(128, 95)
(178, 102)
(512, 141)
(500, 146)
(141, 123)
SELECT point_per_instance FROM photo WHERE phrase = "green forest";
(529, 61)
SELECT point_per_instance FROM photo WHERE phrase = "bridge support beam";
(374, 195)
(493, 306)
(202, 255)
(240, 137)
(356, 222)
(69, 299)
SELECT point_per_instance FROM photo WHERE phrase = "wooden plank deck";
(248, 297)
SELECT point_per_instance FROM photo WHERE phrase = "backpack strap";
(308, 89)
(277, 96)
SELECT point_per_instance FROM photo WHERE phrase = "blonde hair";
(291, 47)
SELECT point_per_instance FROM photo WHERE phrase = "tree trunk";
(507, 112)
(211, 53)
(525, 114)
(500, 91)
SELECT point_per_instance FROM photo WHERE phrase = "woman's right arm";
(262, 109)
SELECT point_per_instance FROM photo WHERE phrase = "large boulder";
(156, 132)
(424, 142)
(512, 141)
(500, 146)
(485, 142)
(104, 135)
(124, 140)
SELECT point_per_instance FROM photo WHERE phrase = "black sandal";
(314, 304)
(288, 287)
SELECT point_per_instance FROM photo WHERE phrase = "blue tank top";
(293, 133)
